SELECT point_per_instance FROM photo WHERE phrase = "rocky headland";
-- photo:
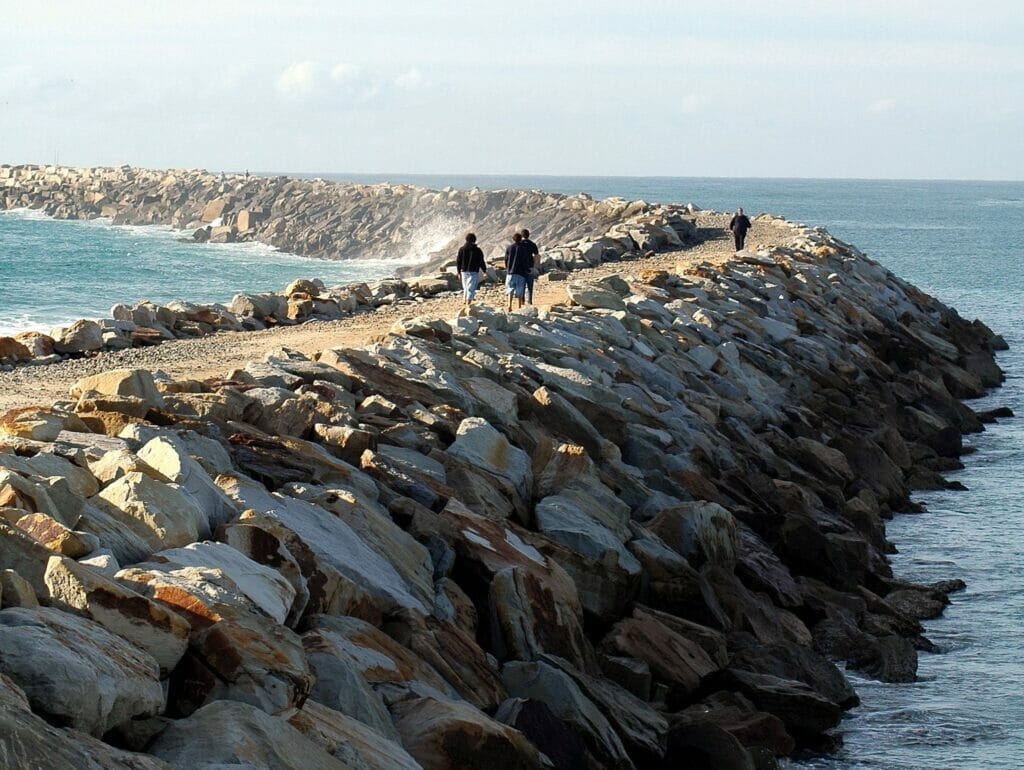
(634, 529)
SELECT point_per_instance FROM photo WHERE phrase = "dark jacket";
(740, 224)
(518, 259)
(470, 259)
(531, 247)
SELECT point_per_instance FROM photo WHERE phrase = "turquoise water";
(53, 271)
(958, 240)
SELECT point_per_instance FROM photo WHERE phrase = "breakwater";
(627, 532)
(332, 220)
(317, 219)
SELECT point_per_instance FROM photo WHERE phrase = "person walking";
(518, 263)
(534, 268)
(470, 265)
(739, 225)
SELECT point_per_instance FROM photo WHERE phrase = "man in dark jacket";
(535, 269)
(739, 226)
(518, 263)
(470, 264)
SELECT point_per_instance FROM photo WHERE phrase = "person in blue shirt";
(518, 263)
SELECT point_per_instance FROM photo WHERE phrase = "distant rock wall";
(332, 220)
(632, 531)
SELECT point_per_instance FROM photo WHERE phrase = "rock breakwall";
(318, 219)
(332, 220)
(631, 531)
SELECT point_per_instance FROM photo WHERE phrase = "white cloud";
(345, 71)
(410, 80)
(882, 105)
(299, 79)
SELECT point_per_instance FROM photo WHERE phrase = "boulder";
(480, 445)
(236, 652)
(81, 337)
(594, 295)
(349, 739)
(33, 423)
(27, 741)
(266, 588)
(529, 619)
(13, 350)
(450, 735)
(80, 589)
(163, 515)
(230, 734)
(702, 532)
(674, 660)
(554, 688)
(75, 672)
(343, 573)
(122, 382)
(168, 456)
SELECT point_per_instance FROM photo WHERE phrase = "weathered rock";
(170, 458)
(122, 382)
(557, 690)
(593, 295)
(673, 659)
(75, 672)
(80, 337)
(163, 515)
(266, 588)
(349, 739)
(482, 446)
(230, 734)
(77, 588)
(235, 651)
(26, 741)
(341, 570)
(448, 735)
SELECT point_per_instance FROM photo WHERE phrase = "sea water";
(960, 241)
(52, 272)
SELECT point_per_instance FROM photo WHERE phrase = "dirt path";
(215, 355)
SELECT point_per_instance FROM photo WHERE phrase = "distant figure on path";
(518, 263)
(739, 226)
(535, 267)
(470, 266)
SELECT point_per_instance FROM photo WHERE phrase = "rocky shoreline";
(633, 530)
(318, 219)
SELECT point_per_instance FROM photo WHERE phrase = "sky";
(903, 89)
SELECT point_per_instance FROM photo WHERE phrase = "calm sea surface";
(961, 241)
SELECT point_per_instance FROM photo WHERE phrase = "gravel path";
(212, 356)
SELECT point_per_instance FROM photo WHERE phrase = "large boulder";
(27, 741)
(149, 626)
(80, 337)
(675, 660)
(163, 515)
(594, 295)
(483, 447)
(548, 684)
(169, 456)
(236, 651)
(266, 588)
(344, 574)
(75, 672)
(350, 740)
(121, 382)
(229, 734)
(450, 735)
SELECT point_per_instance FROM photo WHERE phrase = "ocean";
(960, 241)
